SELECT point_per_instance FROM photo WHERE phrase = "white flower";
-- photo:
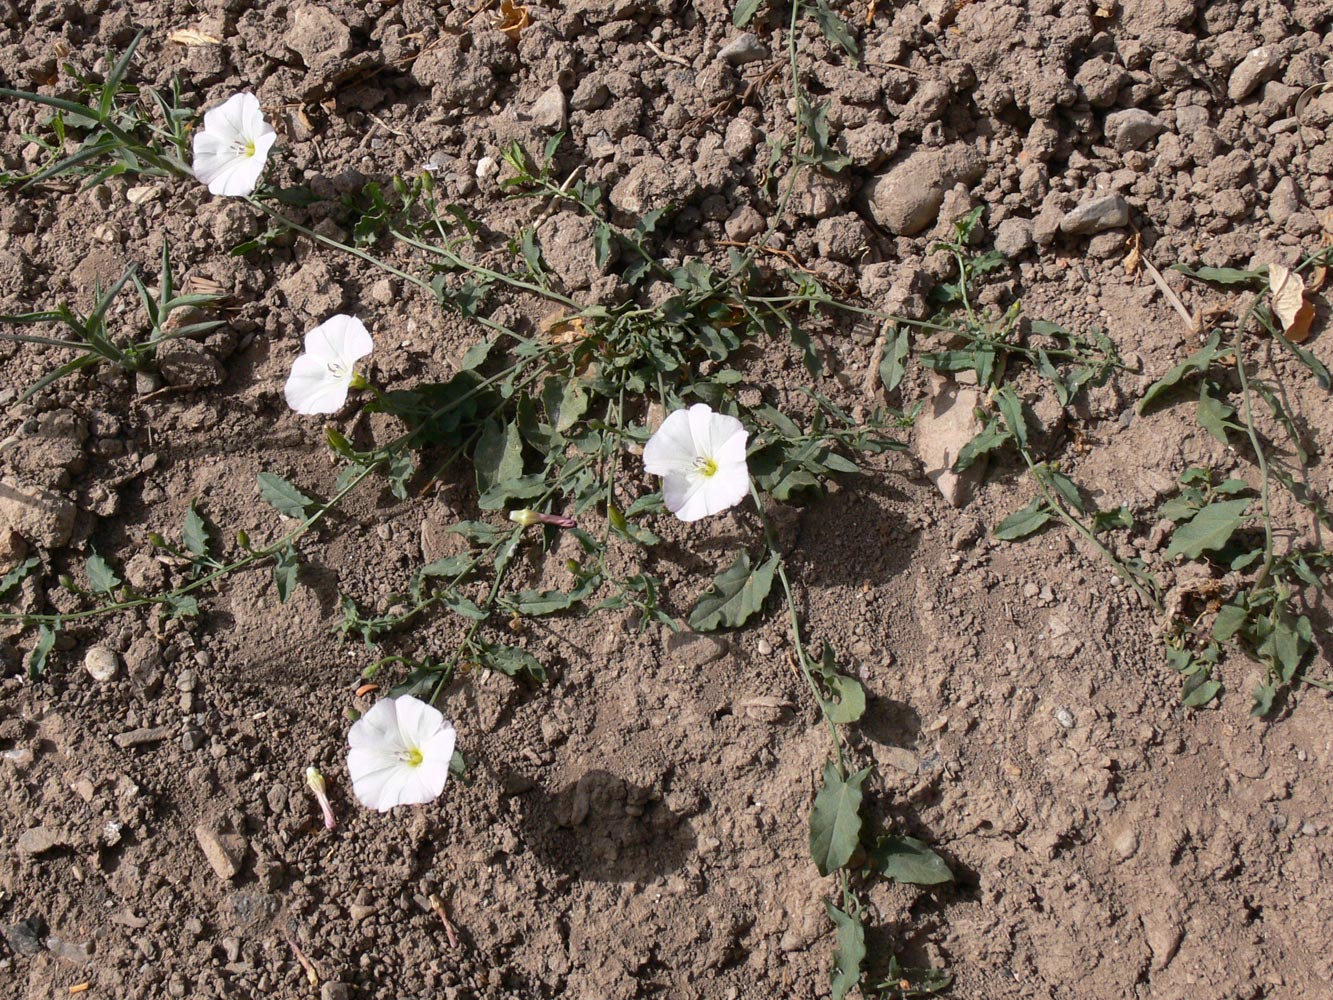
(700, 456)
(232, 148)
(399, 754)
(322, 375)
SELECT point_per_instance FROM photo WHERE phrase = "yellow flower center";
(413, 758)
(250, 147)
(706, 466)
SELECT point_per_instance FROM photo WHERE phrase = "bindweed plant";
(1250, 600)
(91, 340)
(542, 431)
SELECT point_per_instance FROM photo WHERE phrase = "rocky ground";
(637, 827)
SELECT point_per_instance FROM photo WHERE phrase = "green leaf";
(834, 28)
(499, 454)
(181, 605)
(1220, 275)
(908, 860)
(1012, 411)
(1196, 362)
(846, 701)
(449, 566)
(993, 436)
(1230, 619)
(475, 356)
(283, 497)
(46, 641)
(1022, 523)
(512, 661)
(1213, 415)
(16, 575)
(285, 568)
(535, 603)
(894, 366)
(1287, 644)
(1198, 690)
(195, 532)
(1208, 530)
(101, 577)
(835, 820)
(744, 12)
(461, 605)
(566, 400)
(736, 594)
(849, 951)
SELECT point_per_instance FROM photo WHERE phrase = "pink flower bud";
(316, 782)
(528, 517)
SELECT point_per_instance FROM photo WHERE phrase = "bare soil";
(637, 826)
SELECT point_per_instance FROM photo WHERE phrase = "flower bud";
(316, 782)
(528, 517)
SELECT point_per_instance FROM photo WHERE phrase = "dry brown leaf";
(562, 332)
(1134, 259)
(192, 36)
(512, 19)
(1289, 305)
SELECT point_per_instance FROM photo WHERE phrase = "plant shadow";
(603, 828)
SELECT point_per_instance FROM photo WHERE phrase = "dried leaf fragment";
(1287, 290)
(564, 332)
(192, 36)
(512, 19)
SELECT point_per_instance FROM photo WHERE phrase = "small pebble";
(1065, 718)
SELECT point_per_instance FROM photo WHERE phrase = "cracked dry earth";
(637, 827)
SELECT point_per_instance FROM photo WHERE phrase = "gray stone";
(318, 37)
(1106, 212)
(333, 991)
(549, 112)
(744, 48)
(1283, 201)
(250, 909)
(1100, 81)
(1132, 128)
(906, 198)
(77, 952)
(189, 365)
(590, 94)
(651, 183)
(25, 937)
(569, 246)
(740, 139)
(1013, 237)
(40, 839)
(842, 237)
(101, 663)
(817, 194)
(43, 518)
(689, 649)
(225, 852)
(1253, 70)
(141, 736)
(942, 427)
(744, 224)
(899, 758)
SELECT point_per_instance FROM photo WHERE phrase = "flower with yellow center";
(700, 456)
(399, 753)
(231, 149)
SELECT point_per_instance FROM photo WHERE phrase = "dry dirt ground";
(637, 826)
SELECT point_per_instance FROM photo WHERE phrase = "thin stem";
(258, 555)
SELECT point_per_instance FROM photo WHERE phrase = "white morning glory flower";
(399, 753)
(700, 456)
(232, 148)
(322, 375)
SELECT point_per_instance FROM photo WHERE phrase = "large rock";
(942, 427)
(906, 199)
(318, 37)
(1253, 70)
(44, 518)
(1095, 215)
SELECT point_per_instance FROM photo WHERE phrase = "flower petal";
(312, 388)
(342, 339)
(671, 449)
(417, 721)
(685, 496)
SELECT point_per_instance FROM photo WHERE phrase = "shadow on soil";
(602, 828)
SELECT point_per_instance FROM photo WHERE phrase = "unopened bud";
(528, 517)
(316, 782)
